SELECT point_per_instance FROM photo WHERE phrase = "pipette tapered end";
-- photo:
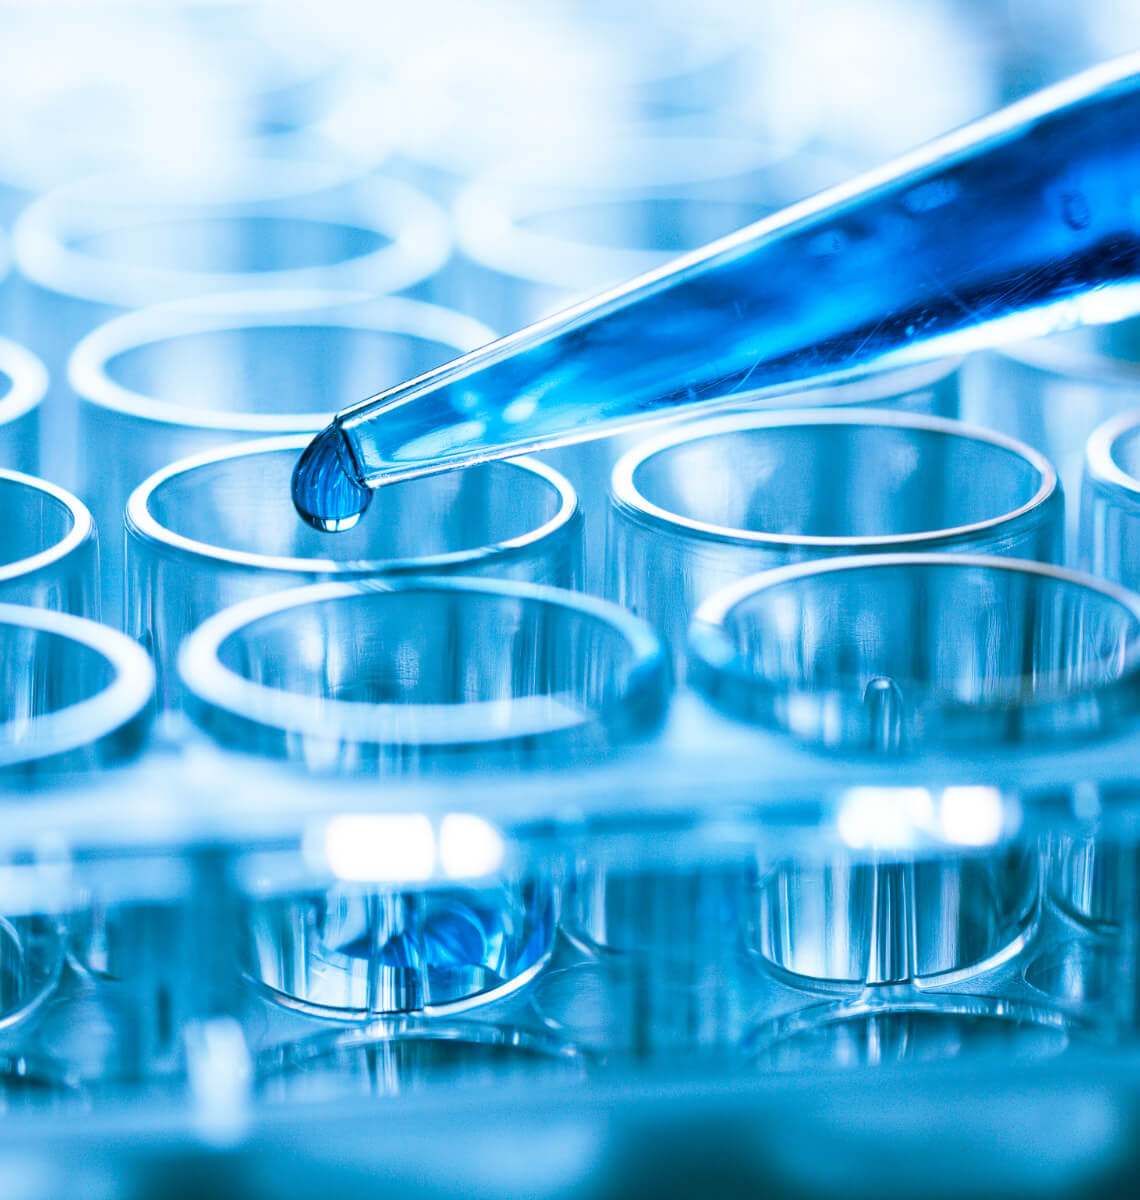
(324, 493)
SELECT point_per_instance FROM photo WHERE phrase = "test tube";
(49, 554)
(95, 248)
(408, 677)
(1053, 392)
(171, 381)
(398, 1057)
(711, 501)
(76, 694)
(964, 651)
(111, 85)
(1091, 875)
(23, 384)
(75, 702)
(209, 531)
(914, 653)
(1109, 542)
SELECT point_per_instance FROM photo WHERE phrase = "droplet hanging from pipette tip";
(324, 494)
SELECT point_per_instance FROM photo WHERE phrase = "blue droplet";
(324, 493)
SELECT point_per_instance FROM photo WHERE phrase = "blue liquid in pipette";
(1026, 222)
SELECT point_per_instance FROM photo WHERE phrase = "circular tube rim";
(235, 311)
(717, 674)
(126, 697)
(630, 502)
(82, 527)
(419, 238)
(1102, 467)
(144, 526)
(214, 688)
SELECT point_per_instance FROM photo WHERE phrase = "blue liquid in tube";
(1022, 223)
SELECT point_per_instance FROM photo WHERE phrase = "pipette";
(1022, 223)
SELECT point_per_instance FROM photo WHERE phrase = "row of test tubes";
(930, 562)
(926, 610)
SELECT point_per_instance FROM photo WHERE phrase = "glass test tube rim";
(276, 1062)
(27, 375)
(125, 698)
(1037, 1013)
(487, 210)
(1102, 470)
(630, 502)
(211, 685)
(417, 228)
(715, 659)
(239, 310)
(80, 532)
(141, 523)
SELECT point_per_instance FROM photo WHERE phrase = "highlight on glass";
(1109, 542)
(49, 551)
(76, 695)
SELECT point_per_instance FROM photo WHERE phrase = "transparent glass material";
(407, 1057)
(1109, 542)
(713, 501)
(894, 654)
(848, 924)
(897, 653)
(23, 384)
(209, 531)
(172, 381)
(76, 695)
(933, 1030)
(49, 552)
(93, 249)
(404, 677)
(173, 85)
(1093, 879)
(1054, 392)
